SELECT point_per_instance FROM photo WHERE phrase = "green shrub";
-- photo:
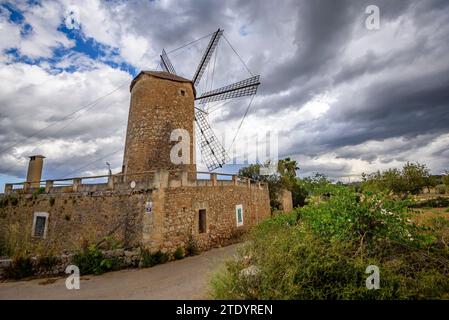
(21, 267)
(321, 251)
(160, 257)
(14, 241)
(150, 259)
(440, 189)
(47, 262)
(445, 178)
(4, 201)
(370, 218)
(91, 260)
(38, 191)
(411, 179)
(14, 201)
(192, 247)
(179, 253)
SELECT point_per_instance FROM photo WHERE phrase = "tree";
(416, 177)
(445, 178)
(412, 178)
(284, 178)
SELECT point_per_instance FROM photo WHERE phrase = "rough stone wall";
(80, 218)
(285, 199)
(176, 215)
(74, 219)
(157, 108)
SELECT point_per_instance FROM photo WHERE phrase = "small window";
(239, 215)
(182, 92)
(40, 224)
(202, 221)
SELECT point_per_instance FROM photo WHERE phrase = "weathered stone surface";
(158, 106)
(285, 199)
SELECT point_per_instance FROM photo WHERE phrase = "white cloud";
(312, 110)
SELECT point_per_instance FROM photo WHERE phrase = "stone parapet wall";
(74, 219)
(161, 215)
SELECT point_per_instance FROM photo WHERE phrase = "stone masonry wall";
(285, 199)
(74, 219)
(161, 218)
(176, 215)
(157, 108)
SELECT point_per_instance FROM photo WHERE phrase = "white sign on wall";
(239, 215)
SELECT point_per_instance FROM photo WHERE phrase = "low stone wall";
(74, 219)
(126, 259)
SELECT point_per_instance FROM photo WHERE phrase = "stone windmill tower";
(161, 102)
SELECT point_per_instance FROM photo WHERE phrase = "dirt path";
(183, 279)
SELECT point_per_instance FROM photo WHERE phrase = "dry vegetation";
(321, 250)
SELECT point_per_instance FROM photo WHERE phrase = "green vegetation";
(322, 250)
(441, 189)
(38, 191)
(445, 179)
(179, 253)
(21, 267)
(14, 242)
(284, 178)
(150, 259)
(91, 260)
(47, 262)
(411, 179)
(192, 247)
(4, 202)
(14, 201)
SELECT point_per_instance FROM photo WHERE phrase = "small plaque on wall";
(239, 215)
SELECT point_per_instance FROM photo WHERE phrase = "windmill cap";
(162, 75)
(36, 156)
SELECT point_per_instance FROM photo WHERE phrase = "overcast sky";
(344, 99)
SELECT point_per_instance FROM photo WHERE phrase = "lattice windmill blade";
(242, 88)
(166, 63)
(206, 57)
(213, 153)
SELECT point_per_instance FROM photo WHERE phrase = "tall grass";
(322, 251)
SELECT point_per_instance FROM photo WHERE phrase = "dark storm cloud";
(389, 107)
(384, 89)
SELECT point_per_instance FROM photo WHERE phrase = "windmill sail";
(242, 88)
(166, 63)
(206, 57)
(213, 153)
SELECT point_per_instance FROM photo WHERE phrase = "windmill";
(213, 153)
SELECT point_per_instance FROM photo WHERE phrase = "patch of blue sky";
(16, 17)
(243, 31)
(8, 179)
(84, 45)
(94, 50)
